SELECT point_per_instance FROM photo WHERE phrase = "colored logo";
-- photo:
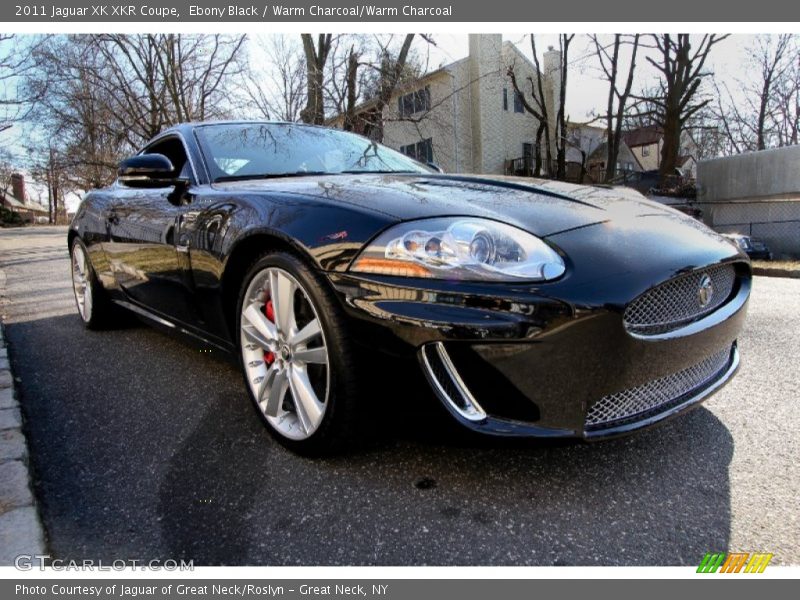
(734, 562)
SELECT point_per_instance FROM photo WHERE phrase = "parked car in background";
(755, 248)
(337, 270)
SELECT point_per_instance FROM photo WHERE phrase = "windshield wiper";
(225, 178)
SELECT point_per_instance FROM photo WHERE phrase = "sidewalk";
(21, 530)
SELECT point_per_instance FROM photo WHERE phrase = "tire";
(94, 308)
(295, 355)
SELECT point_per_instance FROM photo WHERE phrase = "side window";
(173, 149)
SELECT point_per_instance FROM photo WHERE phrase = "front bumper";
(539, 361)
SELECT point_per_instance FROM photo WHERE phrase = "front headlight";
(460, 248)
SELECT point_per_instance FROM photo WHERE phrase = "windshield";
(256, 150)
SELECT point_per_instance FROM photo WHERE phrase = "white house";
(465, 116)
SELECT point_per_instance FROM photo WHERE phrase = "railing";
(621, 176)
(521, 167)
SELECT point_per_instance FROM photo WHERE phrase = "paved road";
(145, 447)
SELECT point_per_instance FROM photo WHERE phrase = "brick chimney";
(18, 186)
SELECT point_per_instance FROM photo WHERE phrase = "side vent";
(448, 384)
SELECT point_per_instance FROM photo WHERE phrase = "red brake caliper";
(269, 311)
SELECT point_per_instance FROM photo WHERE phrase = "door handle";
(112, 218)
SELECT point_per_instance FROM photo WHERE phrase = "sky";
(586, 93)
(587, 90)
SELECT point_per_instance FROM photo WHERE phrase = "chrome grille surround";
(660, 394)
(442, 373)
(677, 302)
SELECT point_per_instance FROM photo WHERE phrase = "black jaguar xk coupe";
(533, 308)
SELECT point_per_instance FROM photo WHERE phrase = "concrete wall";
(551, 64)
(769, 173)
(486, 83)
(757, 193)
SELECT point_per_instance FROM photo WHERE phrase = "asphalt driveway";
(146, 446)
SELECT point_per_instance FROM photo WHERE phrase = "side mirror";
(435, 167)
(147, 170)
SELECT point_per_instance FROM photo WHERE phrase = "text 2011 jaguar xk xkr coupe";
(533, 308)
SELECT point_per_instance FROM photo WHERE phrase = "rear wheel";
(94, 308)
(295, 355)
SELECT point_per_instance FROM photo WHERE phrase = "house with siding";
(16, 200)
(465, 116)
(646, 143)
(626, 162)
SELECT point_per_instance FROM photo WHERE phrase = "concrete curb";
(776, 272)
(21, 530)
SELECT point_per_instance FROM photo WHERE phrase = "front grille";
(677, 302)
(658, 395)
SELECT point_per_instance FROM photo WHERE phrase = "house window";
(414, 102)
(505, 98)
(645, 150)
(421, 151)
(527, 151)
(518, 106)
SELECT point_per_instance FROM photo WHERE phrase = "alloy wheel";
(82, 282)
(284, 353)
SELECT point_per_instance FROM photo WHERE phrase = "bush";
(9, 218)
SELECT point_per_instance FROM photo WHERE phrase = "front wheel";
(295, 355)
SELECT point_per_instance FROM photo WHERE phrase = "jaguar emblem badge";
(705, 291)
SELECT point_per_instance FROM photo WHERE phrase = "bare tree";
(193, 69)
(369, 68)
(345, 79)
(561, 117)
(536, 104)
(278, 91)
(100, 96)
(156, 80)
(772, 68)
(391, 70)
(752, 118)
(617, 96)
(679, 98)
(787, 111)
(74, 115)
(15, 62)
(316, 58)
(7, 168)
(351, 89)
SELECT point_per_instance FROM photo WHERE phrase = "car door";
(148, 257)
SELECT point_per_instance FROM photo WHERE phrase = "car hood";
(542, 207)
